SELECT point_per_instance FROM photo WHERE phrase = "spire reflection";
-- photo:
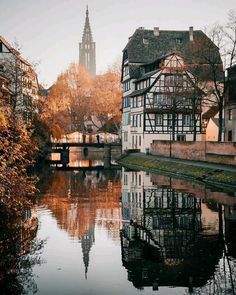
(81, 201)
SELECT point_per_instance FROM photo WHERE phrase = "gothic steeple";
(86, 242)
(87, 48)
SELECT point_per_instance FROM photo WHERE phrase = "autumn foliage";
(16, 154)
(76, 96)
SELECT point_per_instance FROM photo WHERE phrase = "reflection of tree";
(165, 243)
(82, 200)
(18, 251)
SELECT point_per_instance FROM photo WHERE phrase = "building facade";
(164, 230)
(230, 105)
(23, 81)
(87, 48)
(162, 98)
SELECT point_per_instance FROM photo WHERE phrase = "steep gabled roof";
(211, 112)
(147, 75)
(8, 45)
(15, 52)
(154, 47)
(111, 126)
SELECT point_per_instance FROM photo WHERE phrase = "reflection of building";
(163, 237)
(230, 229)
(81, 201)
(87, 241)
(17, 236)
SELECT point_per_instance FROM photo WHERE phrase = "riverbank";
(213, 174)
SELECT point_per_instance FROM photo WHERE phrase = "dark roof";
(147, 75)
(232, 72)
(211, 112)
(134, 71)
(159, 46)
(139, 92)
(155, 47)
(111, 126)
(216, 121)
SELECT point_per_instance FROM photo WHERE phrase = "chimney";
(141, 28)
(156, 31)
(190, 33)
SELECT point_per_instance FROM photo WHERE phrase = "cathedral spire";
(87, 47)
(87, 241)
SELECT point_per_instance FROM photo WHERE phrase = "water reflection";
(174, 234)
(82, 200)
(121, 233)
(18, 251)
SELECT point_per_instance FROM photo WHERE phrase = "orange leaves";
(16, 153)
(56, 131)
(76, 96)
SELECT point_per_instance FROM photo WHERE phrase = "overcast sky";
(49, 31)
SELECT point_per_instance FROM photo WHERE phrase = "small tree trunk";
(220, 122)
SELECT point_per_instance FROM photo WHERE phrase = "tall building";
(230, 105)
(87, 48)
(163, 74)
(21, 79)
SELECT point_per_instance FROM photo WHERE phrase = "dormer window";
(145, 41)
(125, 54)
(179, 40)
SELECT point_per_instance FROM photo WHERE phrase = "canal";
(130, 232)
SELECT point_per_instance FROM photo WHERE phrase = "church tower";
(87, 48)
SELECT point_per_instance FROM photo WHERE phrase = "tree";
(69, 99)
(210, 76)
(76, 97)
(106, 94)
(230, 35)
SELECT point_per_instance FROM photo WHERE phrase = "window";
(169, 80)
(230, 114)
(126, 119)
(169, 120)
(27, 101)
(126, 102)
(140, 141)
(161, 99)
(125, 56)
(125, 136)
(178, 40)
(158, 119)
(126, 70)
(181, 137)
(186, 120)
(134, 120)
(126, 86)
(140, 121)
(139, 179)
(230, 135)
(125, 179)
(1, 47)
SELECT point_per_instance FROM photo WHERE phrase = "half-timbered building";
(230, 105)
(22, 81)
(162, 97)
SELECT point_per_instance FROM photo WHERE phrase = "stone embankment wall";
(209, 151)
